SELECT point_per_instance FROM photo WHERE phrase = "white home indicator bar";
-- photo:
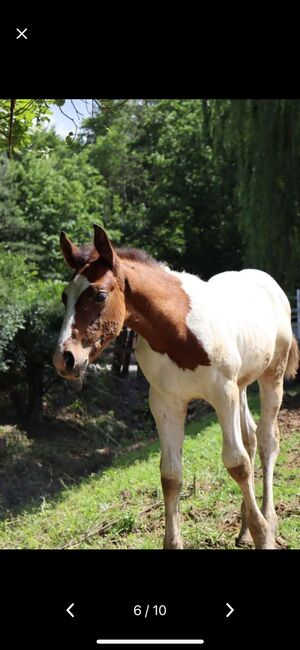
(150, 641)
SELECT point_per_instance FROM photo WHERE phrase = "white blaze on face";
(73, 291)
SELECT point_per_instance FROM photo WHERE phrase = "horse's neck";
(157, 308)
(151, 296)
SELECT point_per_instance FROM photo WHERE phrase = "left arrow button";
(69, 610)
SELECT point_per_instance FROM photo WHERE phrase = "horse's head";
(94, 304)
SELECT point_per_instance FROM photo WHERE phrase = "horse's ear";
(70, 252)
(104, 247)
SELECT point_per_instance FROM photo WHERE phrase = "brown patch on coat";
(97, 323)
(157, 308)
(96, 271)
(245, 380)
(170, 486)
(277, 367)
(239, 473)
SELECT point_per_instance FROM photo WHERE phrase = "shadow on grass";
(35, 468)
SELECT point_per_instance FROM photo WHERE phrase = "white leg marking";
(271, 393)
(248, 428)
(237, 461)
(169, 414)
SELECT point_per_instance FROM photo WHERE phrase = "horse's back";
(242, 318)
(251, 295)
(239, 284)
(258, 306)
(239, 317)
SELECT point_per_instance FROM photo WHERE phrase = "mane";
(88, 253)
(136, 255)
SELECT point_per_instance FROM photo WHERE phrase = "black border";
(124, 53)
(38, 586)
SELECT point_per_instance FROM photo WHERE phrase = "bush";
(32, 320)
(15, 275)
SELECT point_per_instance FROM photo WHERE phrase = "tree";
(42, 191)
(14, 278)
(263, 136)
(54, 188)
(17, 117)
(205, 185)
(169, 192)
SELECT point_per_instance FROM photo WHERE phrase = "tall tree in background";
(205, 185)
(169, 192)
(46, 189)
(264, 137)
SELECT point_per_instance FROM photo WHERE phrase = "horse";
(197, 340)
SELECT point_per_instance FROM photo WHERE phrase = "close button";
(22, 33)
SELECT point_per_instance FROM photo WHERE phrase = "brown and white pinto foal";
(197, 339)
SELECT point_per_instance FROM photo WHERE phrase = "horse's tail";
(293, 360)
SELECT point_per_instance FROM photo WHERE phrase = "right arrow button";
(230, 610)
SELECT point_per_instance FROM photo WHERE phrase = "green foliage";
(42, 320)
(263, 135)
(17, 117)
(206, 185)
(43, 190)
(49, 192)
(169, 193)
(30, 318)
(14, 278)
(18, 120)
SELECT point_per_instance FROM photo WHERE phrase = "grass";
(120, 507)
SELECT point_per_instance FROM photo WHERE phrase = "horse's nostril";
(69, 360)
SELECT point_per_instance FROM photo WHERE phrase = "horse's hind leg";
(248, 428)
(237, 461)
(169, 414)
(271, 392)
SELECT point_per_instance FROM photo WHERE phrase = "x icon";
(22, 33)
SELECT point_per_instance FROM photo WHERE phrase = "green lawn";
(121, 507)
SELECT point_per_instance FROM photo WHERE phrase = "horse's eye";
(101, 296)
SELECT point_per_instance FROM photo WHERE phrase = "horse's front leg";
(169, 414)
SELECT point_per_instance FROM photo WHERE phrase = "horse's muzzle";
(68, 366)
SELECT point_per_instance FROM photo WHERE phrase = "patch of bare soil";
(290, 509)
(289, 414)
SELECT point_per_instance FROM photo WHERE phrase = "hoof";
(244, 539)
(267, 543)
(272, 520)
(173, 544)
(281, 543)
